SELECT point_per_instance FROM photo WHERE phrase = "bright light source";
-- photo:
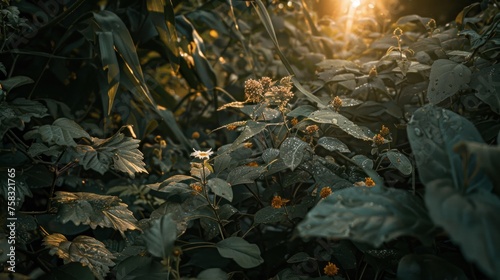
(355, 3)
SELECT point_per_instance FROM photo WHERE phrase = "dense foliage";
(187, 140)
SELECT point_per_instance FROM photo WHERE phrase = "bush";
(166, 139)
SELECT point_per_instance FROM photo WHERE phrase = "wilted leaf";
(83, 249)
(160, 237)
(94, 210)
(243, 253)
(18, 112)
(447, 78)
(117, 152)
(61, 132)
(373, 216)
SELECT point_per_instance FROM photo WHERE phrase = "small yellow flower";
(278, 202)
(195, 135)
(337, 103)
(177, 251)
(369, 182)
(248, 145)
(197, 188)
(397, 32)
(384, 131)
(231, 127)
(373, 72)
(294, 121)
(252, 164)
(378, 139)
(331, 269)
(431, 24)
(310, 129)
(202, 154)
(326, 191)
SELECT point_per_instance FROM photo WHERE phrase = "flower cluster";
(265, 90)
(326, 191)
(331, 269)
(278, 202)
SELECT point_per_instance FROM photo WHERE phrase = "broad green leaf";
(94, 210)
(269, 215)
(270, 154)
(181, 213)
(14, 82)
(301, 111)
(61, 132)
(400, 162)
(251, 129)
(83, 249)
(430, 267)
(18, 112)
(221, 188)
(333, 144)
(371, 215)
(118, 152)
(160, 237)
(487, 84)
(433, 132)
(292, 151)
(243, 253)
(330, 117)
(212, 274)
(447, 78)
(299, 257)
(141, 267)
(471, 221)
(487, 159)
(244, 174)
(363, 161)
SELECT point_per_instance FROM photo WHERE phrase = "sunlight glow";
(355, 3)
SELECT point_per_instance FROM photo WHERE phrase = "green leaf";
(433, 132)
(487, 159)
(251, 129)
(269, 215)
(301, 111)
(333, 144)
(18, 112)
(467, 217)
(243, 253)
(431, 267)
(16, 81)
(212, 274)
(110, 66)
(363, 161)
(118, 152)
(299, 257)
(292, 151)
(400, 162)
(221, 188)
(371, 215)
(330, 117)
(486, 83)
(160, 237)
(447, 78)
(61, 132)
(84, 249)
(141, 267)
(21, 189)
(244, 174)
(94, 210)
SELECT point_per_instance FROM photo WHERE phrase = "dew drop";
(417, 131)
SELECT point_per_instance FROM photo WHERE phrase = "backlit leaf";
(61, 132)
(94, 210)
(331, 117)
(83, 249)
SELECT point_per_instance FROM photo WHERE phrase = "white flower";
(202, 154)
